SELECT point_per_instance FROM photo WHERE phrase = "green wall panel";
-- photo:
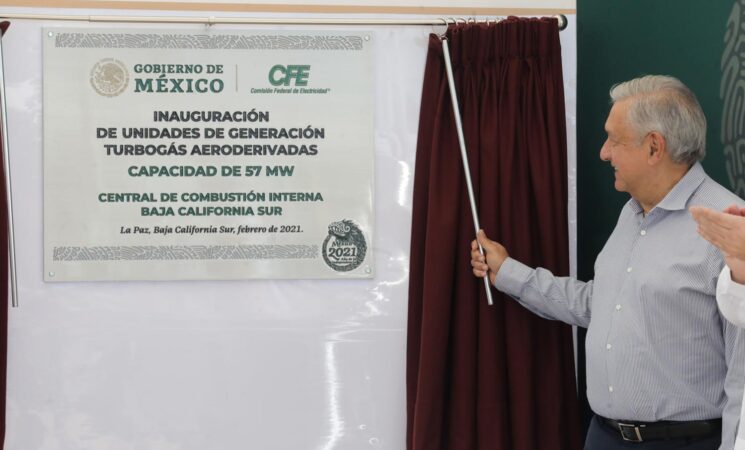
(619, 40)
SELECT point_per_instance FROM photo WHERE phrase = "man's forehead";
(617, 113)
(620, 106)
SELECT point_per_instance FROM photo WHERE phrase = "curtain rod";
(211, 20)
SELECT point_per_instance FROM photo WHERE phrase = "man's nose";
(604, 152)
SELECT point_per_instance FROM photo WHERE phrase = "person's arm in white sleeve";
(731, 298)
(734, 381)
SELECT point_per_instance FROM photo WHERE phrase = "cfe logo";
(280, 75)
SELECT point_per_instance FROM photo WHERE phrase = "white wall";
(217, 365)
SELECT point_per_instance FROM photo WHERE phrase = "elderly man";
(664, 369)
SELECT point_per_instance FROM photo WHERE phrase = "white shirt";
(731, 301)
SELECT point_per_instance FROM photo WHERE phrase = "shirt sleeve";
(731, 298)
(551, 297)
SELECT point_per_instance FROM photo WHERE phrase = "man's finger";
(735, 210)
(710, 219)
(697, 211)
(480, 268)
(486, 243)
(478, 261)
(701, 214)
(716, 239)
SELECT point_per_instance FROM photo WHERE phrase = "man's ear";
(657, 147)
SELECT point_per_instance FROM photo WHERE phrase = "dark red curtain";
(5, 290)
(479, 376)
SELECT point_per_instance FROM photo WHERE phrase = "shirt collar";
(678, 196)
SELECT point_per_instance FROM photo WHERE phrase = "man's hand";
(726, 231)
(735, 211)
(495, 256)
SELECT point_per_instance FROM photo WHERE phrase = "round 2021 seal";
(345, 247)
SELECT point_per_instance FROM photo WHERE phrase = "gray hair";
(664, 104)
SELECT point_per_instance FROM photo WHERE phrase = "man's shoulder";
(713, 195)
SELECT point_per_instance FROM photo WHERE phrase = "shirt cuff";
(512, 276)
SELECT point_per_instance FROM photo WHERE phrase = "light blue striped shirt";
(657, 347)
